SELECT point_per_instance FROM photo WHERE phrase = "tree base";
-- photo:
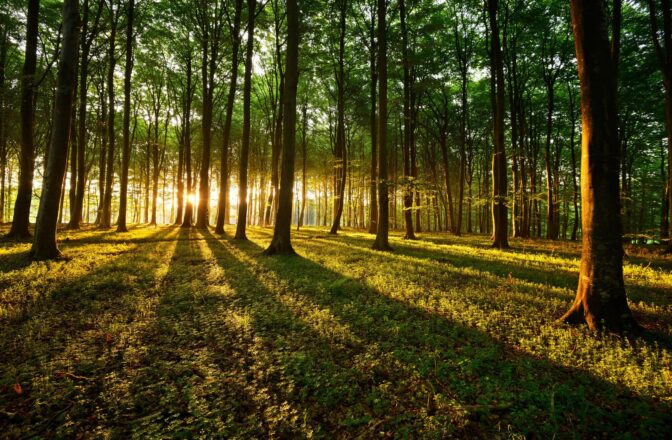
(614, 321)
(280, 247)
(381, 245)
(19, 236)
(46, 253)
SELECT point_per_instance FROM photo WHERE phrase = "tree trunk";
(281, 242)
(340, 150)
(373, 202)
(126, 153)
(21, 219)
(499, 178)
(304, 181)
(44, 246)
(245, 147)
(106, 215)
(230, 99)
(407, 180)
(600, 299)
(189, 207)
(381, 243)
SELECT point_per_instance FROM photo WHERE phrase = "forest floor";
(166, 332)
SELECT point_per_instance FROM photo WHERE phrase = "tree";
(45, 247)
(106, 212)
(281, 242)
(226, 135)
(126, 153)
(245, 147)
(382, 242)
(21, 220)
(499, 180)
(664, 55)
(600, 298)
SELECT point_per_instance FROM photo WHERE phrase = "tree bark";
(281, 242)
(126, 152)
(226, 135)
(241, 223)
(600, 299)
(44, 246)
(21, 219)
(382, 242)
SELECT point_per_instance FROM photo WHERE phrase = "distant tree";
(44, 245)
(600, 298)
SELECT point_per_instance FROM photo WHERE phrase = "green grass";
(173, 333)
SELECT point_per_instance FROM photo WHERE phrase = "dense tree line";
(460, 116)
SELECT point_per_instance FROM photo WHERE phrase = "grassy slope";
(166, 332)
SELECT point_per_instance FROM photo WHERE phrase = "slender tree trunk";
(408, 180)
(21, 219)
(340, 150)
(499, 178)
(189, 206)
(106, 215)
(600, 299)
(245, 147)
(373, 202)
(230, 99)
(382, 243)
(126, 152)
(304, 181)
(44, 246)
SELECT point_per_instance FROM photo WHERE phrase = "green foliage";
(177, 333)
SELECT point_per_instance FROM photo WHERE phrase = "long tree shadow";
(425, 373)
(61, 348)
(553, 276)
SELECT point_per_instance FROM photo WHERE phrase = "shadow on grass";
(64, 347)
(422, 372)
(552, 276)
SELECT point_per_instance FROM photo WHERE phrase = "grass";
(165, 332)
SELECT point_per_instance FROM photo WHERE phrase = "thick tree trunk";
(382, 242)
(21, 219)
(241, 223)
(126, 152)
(281, 242)
(600, 300)
(45, 247)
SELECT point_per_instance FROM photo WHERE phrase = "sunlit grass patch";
(180, 333)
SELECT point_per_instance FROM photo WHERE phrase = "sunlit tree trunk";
(44, 246)
(600, 300)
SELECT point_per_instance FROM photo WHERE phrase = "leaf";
(17, 389)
